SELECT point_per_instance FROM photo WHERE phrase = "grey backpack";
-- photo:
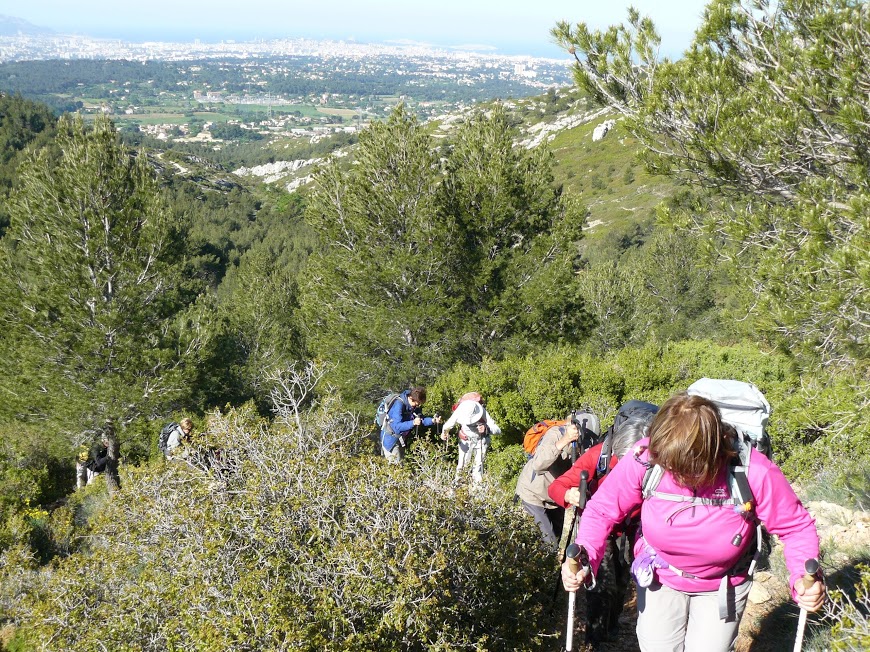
(742, 405)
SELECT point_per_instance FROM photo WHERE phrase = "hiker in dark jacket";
(404, 418)
(91, 463)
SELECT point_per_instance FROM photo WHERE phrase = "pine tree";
(518, 238)
(437, 254)
(377, 297)
(94, 331)
(768, 107)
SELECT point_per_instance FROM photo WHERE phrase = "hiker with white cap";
(475, 429)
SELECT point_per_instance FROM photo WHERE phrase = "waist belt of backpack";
(725, 594)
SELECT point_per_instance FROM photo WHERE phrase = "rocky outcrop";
(271, 172)
(546, 131)
(602, 129)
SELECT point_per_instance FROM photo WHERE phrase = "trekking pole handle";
(571, 555)
(577, 558)
(811, 567)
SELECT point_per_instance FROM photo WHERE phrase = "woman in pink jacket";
(689, 558)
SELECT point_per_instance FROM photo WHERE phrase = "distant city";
(275, 91)
(23, 41)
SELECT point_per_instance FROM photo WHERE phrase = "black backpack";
(164, 436)
(628, 410)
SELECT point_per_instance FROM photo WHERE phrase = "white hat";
(469, 412)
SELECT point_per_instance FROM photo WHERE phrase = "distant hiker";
(81, 468)
(694, 559)
(403, 416)
(605, 601)
(89, 464)
(475, 430)
(552, 456)
(173, 435)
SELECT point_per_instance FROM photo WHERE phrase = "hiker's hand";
(417, 421)
(573, 581)
(436, 418)
(811, 598)
(444, 434)
(572, 433)
(572, 496)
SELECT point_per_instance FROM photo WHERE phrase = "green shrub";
(851, 616)
(821, 417)
(291, 538)
(504, 466)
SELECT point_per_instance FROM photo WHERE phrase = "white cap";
(469, 412)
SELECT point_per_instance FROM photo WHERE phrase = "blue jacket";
(401, 420)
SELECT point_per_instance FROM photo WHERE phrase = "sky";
(508, 26)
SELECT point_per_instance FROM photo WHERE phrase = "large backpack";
(740, 404)
(536, 432)
(468, 396)
(163, 438)
(743, 406)
(382, 420)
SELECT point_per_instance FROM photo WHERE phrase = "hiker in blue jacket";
(404, 415)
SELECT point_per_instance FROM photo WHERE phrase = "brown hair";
(688, 439)
(186, 423)
(418, 394)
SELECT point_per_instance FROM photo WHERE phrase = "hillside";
(605, 175)
(193, 270)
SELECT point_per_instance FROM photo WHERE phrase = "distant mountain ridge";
(12, 26)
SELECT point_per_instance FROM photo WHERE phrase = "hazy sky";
(512, 26)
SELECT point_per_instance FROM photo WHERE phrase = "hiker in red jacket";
(604, 602)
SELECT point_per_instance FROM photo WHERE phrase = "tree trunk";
(113, 480)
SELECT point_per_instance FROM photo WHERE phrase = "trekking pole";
(572, 534)
(573, 552)
(584, 481)
(811, 566)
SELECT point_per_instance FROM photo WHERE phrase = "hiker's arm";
(174, 439)
(492, 425)
(781, 511)
(555, 444)
(560, 487)
(548, 450)
(448, 425)
(615, 499)
(399, 427)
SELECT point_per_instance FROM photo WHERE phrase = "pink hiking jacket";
(699, 540)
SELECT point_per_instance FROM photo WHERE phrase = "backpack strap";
(603, 466)
(388, 425)
(651, 479)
